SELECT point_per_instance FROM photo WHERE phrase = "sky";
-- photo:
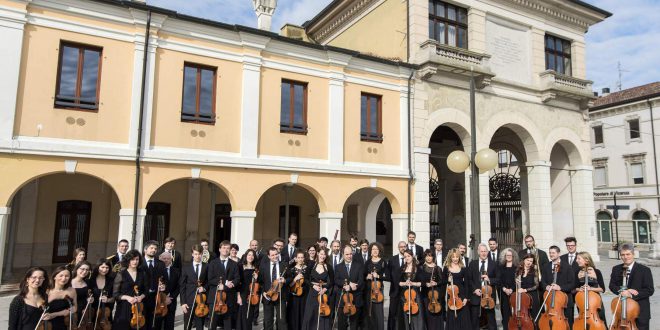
(630, 37)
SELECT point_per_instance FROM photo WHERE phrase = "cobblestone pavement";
(605, 266)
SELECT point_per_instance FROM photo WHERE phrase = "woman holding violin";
(101, 284)
(589, 279)
(374, 269)
(81, 272)
(411, 306)
(458, 316)
(430, 275)
(124, 290)
(248, 291)
(61, 299)
(508, 266)
(295, 307)
(528, 281)
(318, 307)
(27, 308)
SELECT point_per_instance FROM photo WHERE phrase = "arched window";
(604, 222)
(641, 227)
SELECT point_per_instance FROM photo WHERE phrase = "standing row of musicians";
(320, 288)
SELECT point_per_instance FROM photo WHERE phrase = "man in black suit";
(278, 244)
(171, 279)
(272, 271)
(462, 248)
(153, 270)
(565, 276)
(170, 244)
(439, 253)
(481, 271)
(191, 274)
(638, 284)
(362, 256)
(393, 275)
(115, 259)
(349, 279)
(569, 260)
(530, 248)
(222, 275)
(417, 250)
(493, 250)
(291, 247)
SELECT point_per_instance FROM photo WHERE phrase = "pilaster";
(400, 229)
(12, 25)
(540, 202)
(126, 227)
(242, 227)
(336, 118)
(5, 213)
(584, 222)
(330, 223)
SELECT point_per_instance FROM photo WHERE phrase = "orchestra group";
(328, 286)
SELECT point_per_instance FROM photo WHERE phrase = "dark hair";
(169, 239)
(254, 257)
(23, 287)
(149, 243)
(77, 251)
(298, 251)
(203, 240)
(570, 239)
(197, 248)
(316, 250)
(555, 247)
(272, 249)
(123, 240)
(529, 236)
(293, 234)
(225, 242)
(56, 272)
(412, 233)
(101, 262)
(414, 261)
(129, 256)
(364, 241)
(74, 273)
(278, 240)
(234, 246)
(429, 253)
(379, 246)
(492, 239)
(521, 266)
(323, 239)
(354, 237)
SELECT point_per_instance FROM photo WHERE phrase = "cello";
(137, 318)
(434, 306)
(588, 304)
(555, 303)
(520, 303)
(625, 310)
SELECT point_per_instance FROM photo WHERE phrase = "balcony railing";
(434, 57)
(555, 85)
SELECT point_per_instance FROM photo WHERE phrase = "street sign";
(620, 207)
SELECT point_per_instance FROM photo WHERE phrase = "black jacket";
(640, 279)
(419, 251)
(574, 267)
(188, 282)
(216, 272)
(356, 276)
(393, 274)
(359, 258)
(565, 277)
(177, 261)
(497, 256)
(474, 277)
(265, 280)
(173, 286)
(152, 275)
(543, 257)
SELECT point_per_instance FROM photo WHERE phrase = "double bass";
(434, 306)
(588, 304)
(625, 310)
(555, 302)
(520, 303)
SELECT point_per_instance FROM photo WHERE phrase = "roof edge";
(632, 100)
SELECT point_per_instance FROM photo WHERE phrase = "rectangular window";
(558, 55)
(448, 24)
(78, 77)
(641, 232)
(198, 102)
(598, 134)
(371, 127)
(604, 231)
(637, 173)
(633, 128)
(71, 229)
(157, 222)
(600, 176)
(293, 110)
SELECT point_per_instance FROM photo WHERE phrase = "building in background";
(625, 161)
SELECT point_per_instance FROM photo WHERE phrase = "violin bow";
(98, 309)
(192, 309)
(41, 318)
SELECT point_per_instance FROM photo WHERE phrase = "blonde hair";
(587, 258)
(449, 256)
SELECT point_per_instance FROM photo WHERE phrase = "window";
(637, 173)
(198, 103)
(633, 129)
(294, 220)
(448, 24)
(506, 159)
(78, 77)
(371, 128)
(71, 229)
(558, 55)
(157, 222)
(293, 113)
(598, 134)
(641, 227)
(603, 220)
(600, 176)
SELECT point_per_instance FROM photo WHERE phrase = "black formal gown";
(531, 284)
(374, 313)
(311, 319)
(23, 316)
(96, 291)
(460, 319)
(597, 282)
(416, 321)
(426, 274)
(295, 307)
(507, 280)
(124, 286)
(58, 305)
(245, 320)
(81, 299)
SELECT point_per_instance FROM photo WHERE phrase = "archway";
(367, 213)
(562, 193)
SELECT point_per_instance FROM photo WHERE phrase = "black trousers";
(167, 322)
(490, 316)
(348, 322)
(569, 312)
(149, 302)
(272, 316)
(224, 320)
(197, 323)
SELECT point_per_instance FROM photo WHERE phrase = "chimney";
(596, 94)
(606, 91)
(264, 10)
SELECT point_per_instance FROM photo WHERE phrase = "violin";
(433, 306)
(625, 310)
(454, 302)
(324, 308)
(220, 302)
(161, 301)
(520, 304)
(487, 301)
(410, 305)
(376, 289)
(137, 309)
(349, 308)
(201, 309)
(86, 320)
(44, 324)
(297, 287)
(273, 294)
(555, 302)
(254, 290)
(102, 319)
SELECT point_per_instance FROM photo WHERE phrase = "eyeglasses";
(36, 278)
(570, 245)
(529, 241)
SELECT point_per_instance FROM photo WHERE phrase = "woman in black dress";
(375, 269)
(101, 284)
(591, 279)
(431, 276)
(320, 280)
(295, 306)
(311, 255)
(79, 282)
(61, 299)
(26, 309)
(249, 274)
(508, 265)
(409, 273)
(456, 274)
(126, 280)
(529, 282)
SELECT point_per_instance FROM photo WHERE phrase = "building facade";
(240, 134)
(625, 160)
(528, 61)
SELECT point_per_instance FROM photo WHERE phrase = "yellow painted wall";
(381, 32)
(167, 128)
(388, 152)
(37, 84)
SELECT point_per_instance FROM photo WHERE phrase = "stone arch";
(571, 143)
(149, 192)
(315, 192)
(523, 127)
(455, 119)
(394, 201)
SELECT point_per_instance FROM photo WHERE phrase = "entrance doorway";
(505, 202)
(71, 229)
(222, 225)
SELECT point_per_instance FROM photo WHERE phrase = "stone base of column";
(5, 214)
(242, 228)
(330, 224)
(126, 227)
(399, 229)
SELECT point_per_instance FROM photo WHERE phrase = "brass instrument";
(205, 256)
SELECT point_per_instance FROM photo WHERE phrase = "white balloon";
(486, 160)
(458, 161)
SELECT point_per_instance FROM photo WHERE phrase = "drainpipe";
(138, 149)
(655, 164)
(410, 121)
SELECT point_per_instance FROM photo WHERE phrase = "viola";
(410, 305)
(87, 318)
(555, 302)
(137, 309)
(433, 306)
(254, 290)
(44, 324)
(487, 301)
(454, 302)
(220, 302)
(273, 294)
(102, 318)
(201, 308)
(324, 308)
(297, 287)
(161, 301)
(349, 309)
(625, 310)
(376, 289)
(520, 304)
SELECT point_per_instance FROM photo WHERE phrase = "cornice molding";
(560, 14)
(344, 17)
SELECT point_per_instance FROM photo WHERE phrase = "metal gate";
(506, 210)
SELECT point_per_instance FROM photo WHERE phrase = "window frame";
(636, 223)
(291, 129)
(72, 207)
(155, 209)
(603, 222)
(557, 55)
(632, 177)
(629, 129)
(378, 136)
(76, 104)
(439, 19)
(594, 128)
(197, 119)
(606, 181)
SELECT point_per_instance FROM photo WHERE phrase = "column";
(12, 24)
(251, 94)
(400, 229)
(5, 214)
(540, 202)
(242, 228)
(329, 224)
(477, 30)
(484, 207)
(584, 220)
(420, 224)
(336, 118)
(126, 227)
